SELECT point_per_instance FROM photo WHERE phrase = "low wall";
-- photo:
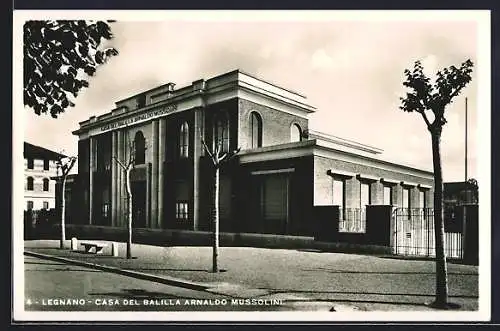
(168, 237)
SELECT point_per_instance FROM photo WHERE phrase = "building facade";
(284, 168)
(39, 169)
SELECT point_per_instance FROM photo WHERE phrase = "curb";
(140, 275)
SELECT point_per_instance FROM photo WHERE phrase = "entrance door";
(274, 204)
(138, 204)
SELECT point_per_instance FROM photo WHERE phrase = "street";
(54, 286)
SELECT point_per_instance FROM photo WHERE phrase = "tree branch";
(457, 90)
(425, 119)
(220, 159)
(120, 163)
(207, 150)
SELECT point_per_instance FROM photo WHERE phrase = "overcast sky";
(352, 71)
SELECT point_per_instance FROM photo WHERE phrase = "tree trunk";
(441, 270)
(63, 212)
(129, 213)
(215, 255)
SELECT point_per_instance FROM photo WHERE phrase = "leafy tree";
(58, 56)
(65, 164)
(218, 158)
(432, 98)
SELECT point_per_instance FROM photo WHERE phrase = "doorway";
(274, 204)
(138, 204)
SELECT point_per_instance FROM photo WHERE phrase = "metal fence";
(414, 234)
(352, 220)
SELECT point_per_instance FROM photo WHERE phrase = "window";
(105, 210)
(29, 205)
(221, 132)
(184, 140)
(339, 195)
(45, 164)
(141, 101)
(364, 196)
(387, 195)
(181, 211)
(45, 205)
(140, 148)
(30, 163)
(45, 184)
(421, 199)
(295, 133)
(30, 184)
(256, 130)
(406, 198)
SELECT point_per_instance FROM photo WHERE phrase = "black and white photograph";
(251, 165)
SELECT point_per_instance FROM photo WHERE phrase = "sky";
(351, 70)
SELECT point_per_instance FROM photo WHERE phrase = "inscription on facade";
(139, 118)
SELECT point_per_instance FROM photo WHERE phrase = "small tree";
(219, 158)
(58, 55)
(127, 165)
(65, 164)
(432, 98)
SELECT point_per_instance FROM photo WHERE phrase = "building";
(284, 168)
(460, 193)
(457, 195)
(39, 168)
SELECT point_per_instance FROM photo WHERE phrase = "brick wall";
(276, 124)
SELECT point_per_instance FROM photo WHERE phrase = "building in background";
(39, 168)
(283, 171)
(457, 195)
(460, 193)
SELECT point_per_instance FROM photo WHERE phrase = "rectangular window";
(421, 199)
(45, 164)
(339, 195)
(105, 210)
(29, 205)
(387, 195)
(364, 199)
(181, 211)
(364, 195)
(30, 163)
(45, 205)
(406, 198)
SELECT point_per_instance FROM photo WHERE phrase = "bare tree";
(219, 158)
(426, 98)
(127, 164)
(65, 164)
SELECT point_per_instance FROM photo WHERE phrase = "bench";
(93, 247)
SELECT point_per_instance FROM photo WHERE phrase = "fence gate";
(414, 234)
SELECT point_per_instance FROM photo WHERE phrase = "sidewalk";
(358, 282)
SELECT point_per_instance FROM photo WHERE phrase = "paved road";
(54, 286)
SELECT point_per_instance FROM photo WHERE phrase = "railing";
(352, 220)
(414, 234)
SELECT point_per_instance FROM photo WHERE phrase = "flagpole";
(465, 139)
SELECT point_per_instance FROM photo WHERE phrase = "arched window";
(45, 184)
(29, 186)
(184, 140)
(256, 129)
(221, 132)
(295, 133)
(140, 148)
